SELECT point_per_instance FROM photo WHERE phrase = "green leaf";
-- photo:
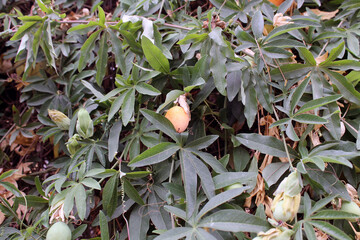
(154, 55)
(307, 56)
(326, 35)
(317, 103)
(202, 171)
(299, 91)
(189, 178)
(175, 233)
(127, 108)
(343, 65)
(257, 24)
(262, 93)
(130, 39)
(321, 203)
(231, 220)
(334, 214)
(309, 119)
(345, 87)
(115, 106)
(218, 68)
(137, 174)
(7, 174)
(132, 193)
(113, 141)
(330, 229)
(91, 183)
(336, 159)
(334, 53)
(110, 195)
(102, 60)
(329, 182)
(202, 142)
(220, 199)
(281, 30)
(251, 105)
(193, 38)
(156, 154)
(104, 227)
(161, 123)
(101, 15)
(43, 7)
(32, 201)
(147, 89)
(86, 48)
(216, 36)
(118, 52)
(26, 27)
(273, 172)
(211, 161)
(228, 178)
(170, 97)
(83, 26)
(80, 200)
(265, 144)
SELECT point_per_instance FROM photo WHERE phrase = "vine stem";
(276, 115)
(284, 141)
(161, 7)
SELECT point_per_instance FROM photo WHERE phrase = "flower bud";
(84, 125)
(60, 119)
(287, 208)
(279, 233)
(287, 198)
(72, 144)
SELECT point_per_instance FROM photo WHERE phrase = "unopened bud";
(73, 144)
(60, 119)
(287, 198)
(84, 125)
(279, 233)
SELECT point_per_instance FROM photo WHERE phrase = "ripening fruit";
(350, 207)
(59, 231)
(178, 117)
(276, 2)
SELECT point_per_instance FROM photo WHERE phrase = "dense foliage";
(272, 150)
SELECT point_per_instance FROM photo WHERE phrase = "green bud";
(60, 119)
(84, 125)
(292, 187)
(73, 144)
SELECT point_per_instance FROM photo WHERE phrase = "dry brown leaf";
(280, 20)
(321, 58)
(325, 15)
(19, 82)
(315, 139)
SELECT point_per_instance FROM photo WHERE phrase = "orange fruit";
(276, 2)
(178, 117)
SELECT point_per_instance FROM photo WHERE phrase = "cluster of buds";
(278, 233)
(287, 198)
(84, 125)
(60, 119)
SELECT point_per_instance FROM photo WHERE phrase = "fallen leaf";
(325, 15)
(321, 58)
